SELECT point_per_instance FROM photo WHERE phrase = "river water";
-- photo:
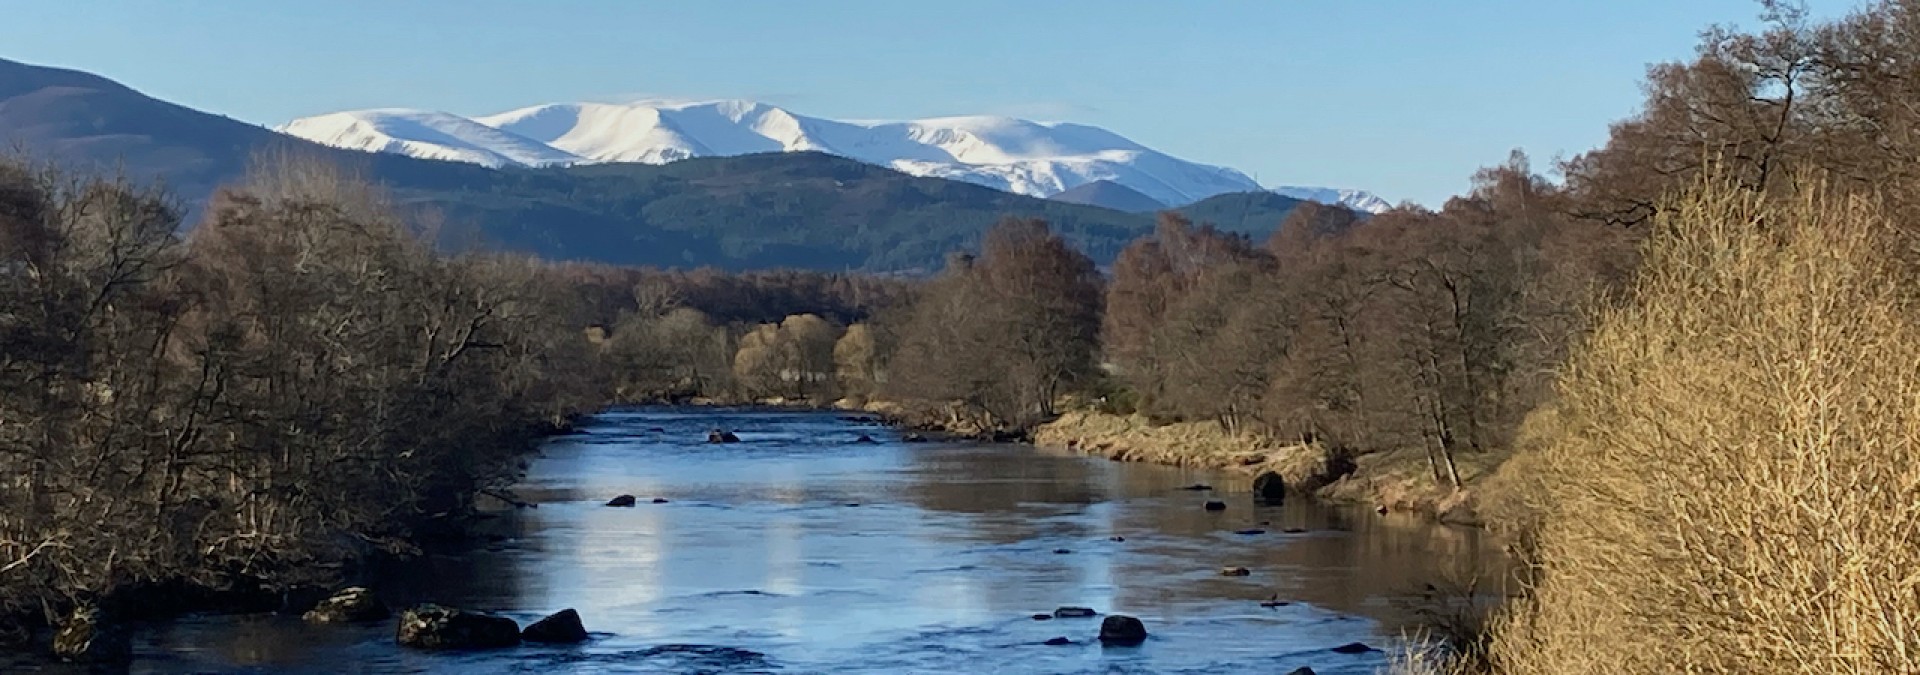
(800, 551)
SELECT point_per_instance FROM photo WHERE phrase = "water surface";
(801, 551)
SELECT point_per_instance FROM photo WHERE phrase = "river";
(800, 551)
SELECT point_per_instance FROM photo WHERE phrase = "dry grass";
(1731, 479)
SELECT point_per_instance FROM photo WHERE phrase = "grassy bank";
(1397, 480)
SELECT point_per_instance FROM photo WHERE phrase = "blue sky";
(1402, 97)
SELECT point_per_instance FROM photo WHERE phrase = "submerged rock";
(719, 436)
(1043, 617)
(865, 440)
(87, 636)
(1057, 642)
(1235, 571)
(563, 627)
(1269, 487)
(1121, 630)
(1073, 612)
(436, 627)
(1353, 648)
(622, 500)
(1303, 670)
(347, 606)
(1215, 505)
(659, 500)
(1251, 531)
(1198, 487)
(1062, 551)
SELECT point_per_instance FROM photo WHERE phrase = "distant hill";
(802, 210)
(1256, 214)
(1108, 194)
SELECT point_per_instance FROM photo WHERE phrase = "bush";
(1729, 484)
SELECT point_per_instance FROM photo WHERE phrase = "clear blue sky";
(1402, 97)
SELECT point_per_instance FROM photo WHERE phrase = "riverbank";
(1397, 480)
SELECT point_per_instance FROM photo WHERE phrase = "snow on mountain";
(1354, 199)
(425, 134)
(1041, 159)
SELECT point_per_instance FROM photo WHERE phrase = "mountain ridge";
(1040, 159)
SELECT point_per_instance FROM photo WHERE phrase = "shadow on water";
(799, 550)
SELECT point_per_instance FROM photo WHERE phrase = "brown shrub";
(1729, 483)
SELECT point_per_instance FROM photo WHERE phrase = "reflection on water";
(798, 551)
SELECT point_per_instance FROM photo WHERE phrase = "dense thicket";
(299, 383)
(1722, 482)
(1409, 329)
(1002, 336)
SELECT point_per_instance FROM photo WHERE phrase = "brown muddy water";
(800, 551)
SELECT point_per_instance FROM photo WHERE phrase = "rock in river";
(348, 606)
(622, 500)
(88, 636)
(1216, 505)
(1353, 648)
(436, 627)
(1122, 631)
(1235, 571)
(719, 436)
(1073, 612)
(1057, 642)
(562, 627)
(1269, 487)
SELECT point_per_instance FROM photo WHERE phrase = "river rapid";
(799, 550)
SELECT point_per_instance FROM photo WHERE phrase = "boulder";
(719, 436)
(87, 636)
(563, 627)
(350, 605)
(1073, 612)
(1235, 572)
(1269, 487)
(1057, 642)
(1215, 505)
(436, 627)
(1353, 648)
(1122, 630)
(622, 500)
(1302, 670)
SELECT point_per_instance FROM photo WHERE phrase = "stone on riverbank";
(87, 636)
(1269, 487)
(436, 627)
(350, 605)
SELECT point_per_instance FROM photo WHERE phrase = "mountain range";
(1039, 159)
(776, 209)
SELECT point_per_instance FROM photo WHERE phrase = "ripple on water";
(758, 565)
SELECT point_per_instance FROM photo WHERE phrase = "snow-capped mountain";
(1040, 159)
(427, 135)
(1357, 200)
